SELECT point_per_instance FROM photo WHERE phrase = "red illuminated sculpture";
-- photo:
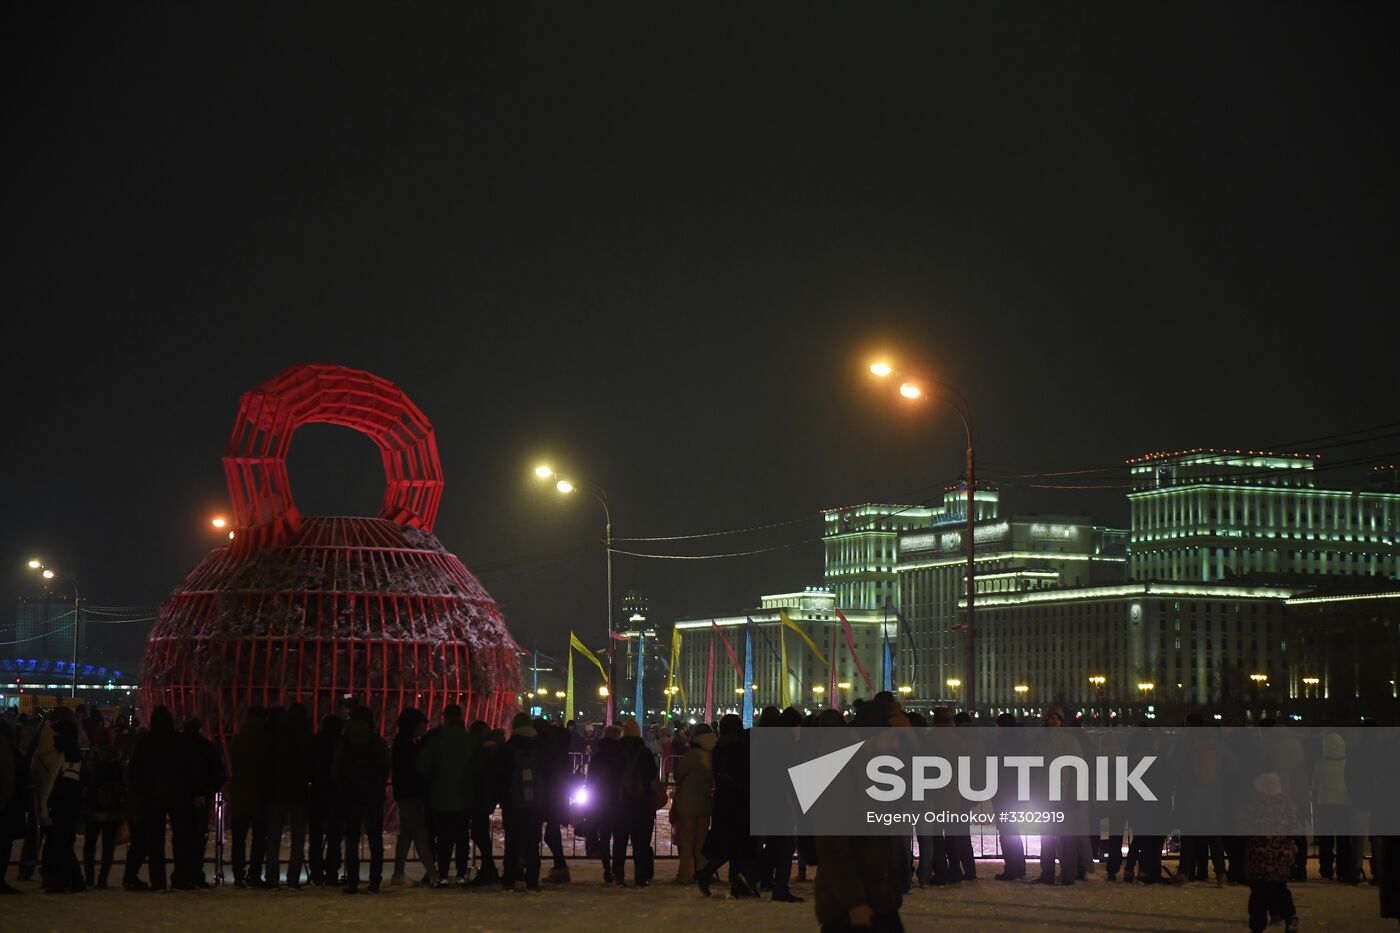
(315, 608)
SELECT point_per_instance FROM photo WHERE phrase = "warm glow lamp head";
(954, 682)
(909, 390)
(881, 369)
(219, 522)
(35, 564)
(602, 691)
(564, 486)
(48, 575)
(543, 472)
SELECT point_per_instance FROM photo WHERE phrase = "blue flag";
(903, 622)
(641, 673)
(748, 674)
(889, 667)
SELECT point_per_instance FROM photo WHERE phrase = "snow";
(587, 906)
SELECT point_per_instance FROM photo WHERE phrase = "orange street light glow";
(881, 369)
(909, 390)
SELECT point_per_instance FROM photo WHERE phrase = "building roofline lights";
(1158, 455)
(1141, 590)
(1311, 600)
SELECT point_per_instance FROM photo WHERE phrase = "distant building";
(1022, 554)
(1205, 515)
(813, 610)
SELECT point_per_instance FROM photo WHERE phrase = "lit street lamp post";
(912, 390)
(566, 486)
(48, 573)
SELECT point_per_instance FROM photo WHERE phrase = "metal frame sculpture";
(319, 608)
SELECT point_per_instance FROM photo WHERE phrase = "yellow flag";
(782, 614)
(579, 646)
(569, 710)
(673, 680)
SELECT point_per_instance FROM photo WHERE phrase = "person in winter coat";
(524, 788)
(207, 776)
(247, 797)
(450, 762)
(861, 880)
(410, 792)
(325, 823)
(288, 788)
(1202, 767)
(485, 796)
(634, 806)
(14, 798)
(1282, 754)
(729, 839)
(1333, 802)
(1013, 847)
(557, 771)
(604, 766)
(693, 802)
(159, 784)
(104, 806)
(360, 770)
(1269, 821)
(63, 797)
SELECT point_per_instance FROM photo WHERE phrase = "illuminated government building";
(1243, 581)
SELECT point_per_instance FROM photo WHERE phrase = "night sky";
(657, 245)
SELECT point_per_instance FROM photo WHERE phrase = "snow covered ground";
(586, 906)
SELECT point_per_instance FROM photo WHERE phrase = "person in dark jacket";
(1013, 847)
(861, 879)
(104, 806)
(410, 793)
(360, 771)
(449, 762)
(207, 776)
(634, 809)
(483, 801)
(14, 793)
(603, 768)
(520, 776)
(288, 787)
(558, 772)
(159, 783)
(62, 805)
(729, 839)
(247, 797)
(324, 820)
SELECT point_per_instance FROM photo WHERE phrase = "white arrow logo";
(811, 778)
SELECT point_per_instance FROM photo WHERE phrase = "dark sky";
(658, 243)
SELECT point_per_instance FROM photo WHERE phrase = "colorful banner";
(710, 683)
(832, 688)
(783, 687)
(788, 623)
(579, 646)
(638, 709)
(747, 686)
(889, 667)
(729, 650)
(569, 709)
(673, 680)
(851, 645)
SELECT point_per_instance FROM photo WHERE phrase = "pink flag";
(710, 681)
(851, 644)
(729, 650)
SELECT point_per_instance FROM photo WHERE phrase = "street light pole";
(567, 486)
(49, 573)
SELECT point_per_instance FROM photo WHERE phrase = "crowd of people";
(329, 788)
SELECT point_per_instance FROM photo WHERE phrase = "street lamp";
(1021, 690)
(905, 690)
(953, 683)
(913, 389)
(566, 486)
(48, 573)
(819, 689)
